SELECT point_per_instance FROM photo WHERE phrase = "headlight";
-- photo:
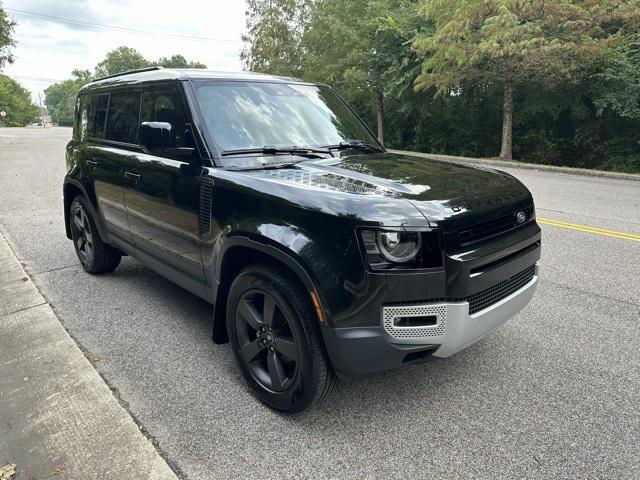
(398, 247)
(401, 249)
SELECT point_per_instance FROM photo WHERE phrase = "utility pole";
(41, 110)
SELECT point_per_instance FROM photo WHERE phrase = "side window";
(164, 106)
(123, 117)
(80, 121)
(97, 115)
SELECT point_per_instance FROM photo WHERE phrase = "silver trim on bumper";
(455, 329)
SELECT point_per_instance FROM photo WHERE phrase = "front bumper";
(454, 328)
(360, 351)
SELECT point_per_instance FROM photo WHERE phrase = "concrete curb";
(57, 416)
(526, 166)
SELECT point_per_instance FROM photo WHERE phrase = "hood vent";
(325, 180)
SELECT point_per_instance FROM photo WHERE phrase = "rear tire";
(276, 339)
(95, 256)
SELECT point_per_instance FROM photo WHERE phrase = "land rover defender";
(324, 256)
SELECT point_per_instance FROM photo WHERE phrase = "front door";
(162, 196)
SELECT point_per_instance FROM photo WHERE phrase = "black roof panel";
(158, 75)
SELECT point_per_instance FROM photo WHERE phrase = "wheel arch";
(236, 254)
(71, 189)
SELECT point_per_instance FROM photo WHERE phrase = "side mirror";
(154, 137)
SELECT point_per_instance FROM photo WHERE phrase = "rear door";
(163, 196)
(104, 168)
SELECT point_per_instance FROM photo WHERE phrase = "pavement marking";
(587, 229)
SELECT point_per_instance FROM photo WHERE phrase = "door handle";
(93, 163)
(133, 176)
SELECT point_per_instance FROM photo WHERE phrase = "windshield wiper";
(310, 152)
(354, 145)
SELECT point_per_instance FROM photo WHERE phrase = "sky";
(48, 49)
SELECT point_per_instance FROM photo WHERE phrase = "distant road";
(554, 393)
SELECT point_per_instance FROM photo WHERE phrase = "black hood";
(450, 195)
(447, 193)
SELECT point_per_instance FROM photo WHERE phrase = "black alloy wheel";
(266, 340)
(275, 336)
(82, 236)
(95, 256)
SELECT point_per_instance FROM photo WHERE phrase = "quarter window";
(80, 124)
(123, 118)
(97, 115)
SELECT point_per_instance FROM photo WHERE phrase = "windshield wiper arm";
(354, 145)
(269, 150)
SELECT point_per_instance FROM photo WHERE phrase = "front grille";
(482, 231)
(484, 299)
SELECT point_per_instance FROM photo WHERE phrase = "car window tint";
(122, 120)
(164, 106)
(97, 115)
(254, 114)
(80, 123)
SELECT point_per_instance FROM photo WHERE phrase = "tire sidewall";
(301, 392)
(79, 202)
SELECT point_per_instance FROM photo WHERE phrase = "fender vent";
(206, 197)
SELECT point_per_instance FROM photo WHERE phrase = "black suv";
(324, 255)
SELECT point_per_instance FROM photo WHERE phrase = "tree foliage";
(15, 100)
(356, 45)
(6, 38)
(274, 34)
(442, 67)
(507, 42)
(120, 60)
(178, 61)
(60, 97)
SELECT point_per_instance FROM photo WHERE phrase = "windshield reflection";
(251, 115)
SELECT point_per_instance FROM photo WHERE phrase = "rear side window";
(80, 124)
(164, 105)
(96, 115)
(123, 117)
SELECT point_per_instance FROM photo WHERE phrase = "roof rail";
(148, 69)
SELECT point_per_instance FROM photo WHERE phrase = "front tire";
(95, 256)
(276, 339)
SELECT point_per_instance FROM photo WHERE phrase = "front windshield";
(252, 115)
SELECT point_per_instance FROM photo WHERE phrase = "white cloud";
(48, 50)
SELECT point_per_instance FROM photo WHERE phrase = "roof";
(157, 74)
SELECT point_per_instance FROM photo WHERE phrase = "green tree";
(178, 61)
(121, 60)
(6, 38)
(15, 100)
(60, 98)
(274, 34)
(361, 47)
(507, 42)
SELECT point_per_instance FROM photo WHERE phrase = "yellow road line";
(587, 229)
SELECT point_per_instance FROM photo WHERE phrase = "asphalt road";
(553, 394)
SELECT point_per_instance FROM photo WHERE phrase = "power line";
(35, 79)
(120, 29)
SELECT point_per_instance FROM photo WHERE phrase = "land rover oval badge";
(521, 217)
